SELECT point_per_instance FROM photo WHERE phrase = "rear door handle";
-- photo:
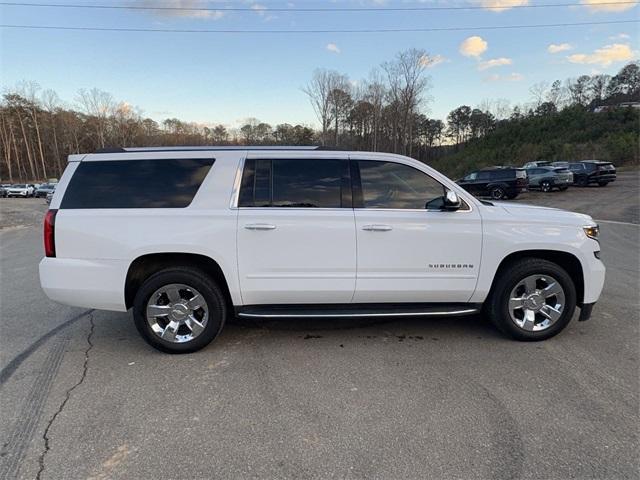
(260, 226)
(377, 228)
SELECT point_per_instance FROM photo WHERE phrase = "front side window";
(304, 183)
(398, 186)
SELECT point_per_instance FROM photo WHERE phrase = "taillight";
(50, 233)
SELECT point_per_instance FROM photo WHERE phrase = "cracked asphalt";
(82, 396)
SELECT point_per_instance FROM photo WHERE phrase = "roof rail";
(110, 150)
(207, 148)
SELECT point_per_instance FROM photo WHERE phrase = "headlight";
(592, 231)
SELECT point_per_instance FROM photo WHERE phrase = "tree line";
(385, 112)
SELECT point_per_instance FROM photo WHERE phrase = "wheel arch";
(566, 260)
(146, 265)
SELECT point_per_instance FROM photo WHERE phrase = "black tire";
(563, 188)
(213, 296)
(498, 302)
(583, 182)
(497, 193)
(602, 184)
(546, 186)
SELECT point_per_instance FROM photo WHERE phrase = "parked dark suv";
(498, 183)
(592, 171)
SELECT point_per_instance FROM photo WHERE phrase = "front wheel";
(179, 310)
(533, 299)
(602, 184)
(546, 186)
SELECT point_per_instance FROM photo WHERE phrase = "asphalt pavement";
(82, 395)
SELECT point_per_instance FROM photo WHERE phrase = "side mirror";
(451, 201)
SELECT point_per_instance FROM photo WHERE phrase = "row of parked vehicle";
(26, 190)
(501, 183)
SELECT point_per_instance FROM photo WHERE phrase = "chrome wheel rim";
(177, 313)
(536, 302)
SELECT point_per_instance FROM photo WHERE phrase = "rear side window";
(170, 183)
(305, 183)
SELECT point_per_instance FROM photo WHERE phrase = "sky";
(212, 78)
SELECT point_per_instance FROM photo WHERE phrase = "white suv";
(188, 237)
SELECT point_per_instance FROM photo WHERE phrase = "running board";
(358, 310)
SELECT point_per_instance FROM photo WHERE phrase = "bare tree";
(538, 92)
(319, 89)
(407, 84)
(100, 105)
(375, 93)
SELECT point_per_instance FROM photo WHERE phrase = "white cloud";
(258, 8)
(560, 47)
(608, 6)
(605, 56)
(176, 8)
(494, 62)
(620, 36)
(502, 5)
(332, 47)
(473, 46)
(430, 61)
(512, 77)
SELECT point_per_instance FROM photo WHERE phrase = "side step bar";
(358, 310)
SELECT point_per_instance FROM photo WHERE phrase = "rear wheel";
(546, 186)
(179, 310)
(533, 299)
(497, 193)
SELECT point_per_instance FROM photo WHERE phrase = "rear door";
(296, 231)
(408, 249)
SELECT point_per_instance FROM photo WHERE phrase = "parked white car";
(21, 190)
(188, 237)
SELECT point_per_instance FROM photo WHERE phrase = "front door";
(409, 249)
(296, 231)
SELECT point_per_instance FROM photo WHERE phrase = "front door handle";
(377, 228)
(260, 226)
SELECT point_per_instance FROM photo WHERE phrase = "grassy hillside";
(571, 134)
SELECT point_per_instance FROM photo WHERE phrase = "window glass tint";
(136, 183)
(484, 175)
(504, 174)
(306, 183)
(309, 183)
(394, 185)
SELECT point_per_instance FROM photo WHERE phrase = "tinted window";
(308, 183)
(136, 183)
(576, 167)
(503, 174)
(484, 175)
(394, 185)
